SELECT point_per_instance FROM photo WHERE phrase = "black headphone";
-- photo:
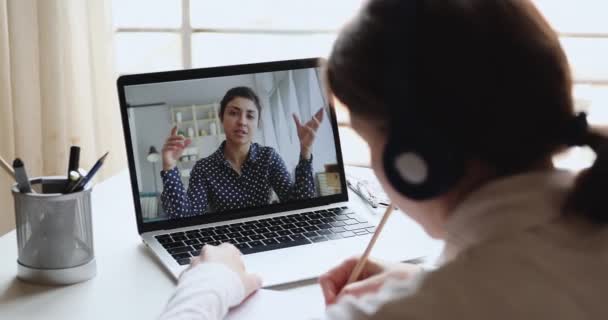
(419, 162)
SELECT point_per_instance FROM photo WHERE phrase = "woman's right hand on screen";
(173, 149)
(373, 276)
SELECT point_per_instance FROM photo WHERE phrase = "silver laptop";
(290, 216)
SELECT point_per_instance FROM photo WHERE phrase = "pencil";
(361, 263)
(7, 167)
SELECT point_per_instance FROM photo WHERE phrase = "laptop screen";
(241, 144)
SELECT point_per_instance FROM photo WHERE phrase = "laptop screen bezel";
(213, 72)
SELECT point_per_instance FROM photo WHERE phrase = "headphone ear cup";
(418, 171)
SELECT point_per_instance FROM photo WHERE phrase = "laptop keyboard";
(269, 234)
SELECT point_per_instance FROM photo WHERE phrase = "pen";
(23, 182)
(73, 161)
(83, 182)
(361, 263)
(7, 167)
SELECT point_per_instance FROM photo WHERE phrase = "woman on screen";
(240, 173)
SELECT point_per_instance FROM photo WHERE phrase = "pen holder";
(54, 233)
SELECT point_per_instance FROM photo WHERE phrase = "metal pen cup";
(54, 233)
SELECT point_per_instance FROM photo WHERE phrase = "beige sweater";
(509, 255)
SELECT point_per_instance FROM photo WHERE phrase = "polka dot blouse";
(215, 186)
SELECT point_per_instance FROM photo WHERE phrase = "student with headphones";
(463, 104)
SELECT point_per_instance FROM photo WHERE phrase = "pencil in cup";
(7, 167)
(361, 263)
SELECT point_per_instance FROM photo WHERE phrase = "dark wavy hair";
(491, 78)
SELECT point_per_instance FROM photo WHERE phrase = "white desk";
(130, 283)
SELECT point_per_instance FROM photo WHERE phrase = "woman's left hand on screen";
(307, 132)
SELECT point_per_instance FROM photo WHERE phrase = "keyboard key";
(300, 219)
(270, 235)
(356, 217)
(311, 228)
(179, 250)
(174, 234)
(214, 243)
(242, 246)
(248, 227)
(276, 246)
(338, 224)
(275, 228)
(315, 222)
(206, 240)
(275, 223)
(260, 230)
(164, 240)
(254, 244)
(191, 242)
(310, 234)
(198, 246)
(207, 233)
(284, 239)
(337, 229)
(195, 253)
(324, 232)
(351, 221)
(361, 232)
(297, 230)
(289, 220)
(284, 232)
(248, 233)
(234, 235)
(242, 239)
(288, 226)
(270, 241)
(162, 236)
(358, 226)
(334, 236)
(179, 238)
(347, 234)
(179, 256)
(302, 224)
(324, 226)
(235, 229)
(194, 235)
(236, 224)
(184, 261)
(316, 216)
(257, 237)
(297, 237)
(220, 237)
(320, 211)
(262, 225)
(328, 220)
(318, 239)
(248, 223)
(341, 218)
(175, 244)
(222, 231)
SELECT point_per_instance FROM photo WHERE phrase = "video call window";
(194, 126)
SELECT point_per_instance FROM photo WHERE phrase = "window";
(156, 35)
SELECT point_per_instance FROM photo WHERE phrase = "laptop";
(289, 216)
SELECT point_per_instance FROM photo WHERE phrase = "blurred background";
(59, 60)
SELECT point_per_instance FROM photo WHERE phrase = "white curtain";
(294, 92)
(57, 88)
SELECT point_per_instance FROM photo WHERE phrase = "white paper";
(271, 304)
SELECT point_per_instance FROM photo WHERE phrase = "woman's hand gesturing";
(307, 132)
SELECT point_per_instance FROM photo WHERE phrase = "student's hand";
(230, 256)
(372, 277)
(173, 149)
(307, 132)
